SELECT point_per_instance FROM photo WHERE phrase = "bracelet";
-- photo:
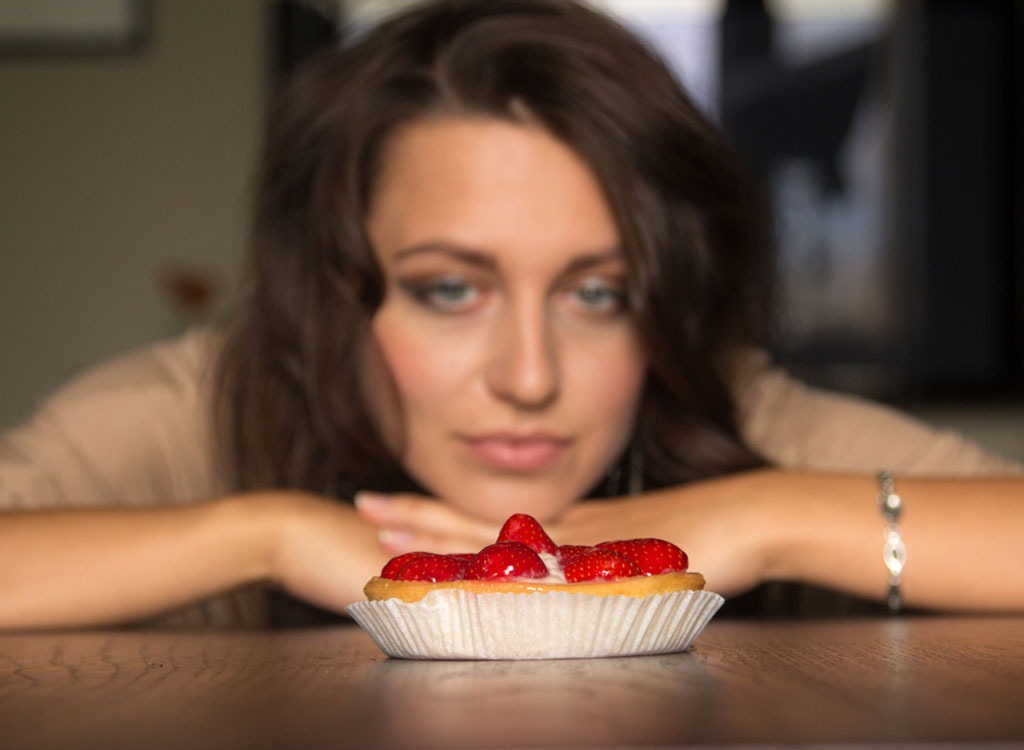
(894, 552)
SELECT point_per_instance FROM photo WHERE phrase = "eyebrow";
(466, 255)
(484, 260)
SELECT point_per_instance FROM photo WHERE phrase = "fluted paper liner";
(455, 624)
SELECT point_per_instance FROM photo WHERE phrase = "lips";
(517, 453)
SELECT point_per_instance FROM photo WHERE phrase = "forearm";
(962, 537)
(90, 567)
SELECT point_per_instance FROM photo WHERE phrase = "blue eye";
(600, 297)
(443, 294)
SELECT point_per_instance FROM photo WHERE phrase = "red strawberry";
(599, 564)
(527, 530)
(395, 564)
(569, 552)
(653, 556)
(503, 561)
(427, 566)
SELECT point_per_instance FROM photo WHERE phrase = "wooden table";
(912, 679)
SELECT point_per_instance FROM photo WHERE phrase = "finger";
(380, 509)
(590, 523)
(397, 542)
(413, 517)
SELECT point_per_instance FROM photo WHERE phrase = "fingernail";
(370, 500)
(393, 539)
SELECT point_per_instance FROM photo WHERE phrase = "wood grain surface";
(899, 680)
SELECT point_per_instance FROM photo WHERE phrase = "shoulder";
(135, 430)
(183, 366)
(795, 425)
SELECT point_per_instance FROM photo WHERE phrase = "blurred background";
(888, 133)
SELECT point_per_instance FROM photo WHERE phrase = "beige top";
(136, 431)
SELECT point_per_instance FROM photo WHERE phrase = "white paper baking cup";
(455, 624)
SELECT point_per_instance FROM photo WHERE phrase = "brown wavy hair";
(693, 226)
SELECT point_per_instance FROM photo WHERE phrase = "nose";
(522, 366)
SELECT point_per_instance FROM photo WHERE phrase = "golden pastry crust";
(635, 587)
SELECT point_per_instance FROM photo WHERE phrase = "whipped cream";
(555, 572)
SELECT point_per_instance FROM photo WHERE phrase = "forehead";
(489, 184)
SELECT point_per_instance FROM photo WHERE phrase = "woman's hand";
(706, 519)
(773, 525)
(109, 566)
(320, 550)
(826, 529)
(712, 521)
(406, 523)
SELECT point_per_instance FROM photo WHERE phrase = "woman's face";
(515, 370)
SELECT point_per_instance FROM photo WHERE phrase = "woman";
(492, 274)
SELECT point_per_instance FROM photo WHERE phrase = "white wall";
(113, 168)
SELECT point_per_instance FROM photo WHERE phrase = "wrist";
(822, 529)
(745, 535)
(768, 522)
(774, 521)
(255, 525)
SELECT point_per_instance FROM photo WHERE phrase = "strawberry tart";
(524, 597)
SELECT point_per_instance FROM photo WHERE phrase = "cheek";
(625, 401)
(615, 378)
(606, 392)
(420, 366)
(621, 389)
(626, 374)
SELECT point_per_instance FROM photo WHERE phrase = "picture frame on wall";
(73, 26)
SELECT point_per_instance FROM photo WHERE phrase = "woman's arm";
(963, 538)
(97, 523)
(90, 567)
(962, 535)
